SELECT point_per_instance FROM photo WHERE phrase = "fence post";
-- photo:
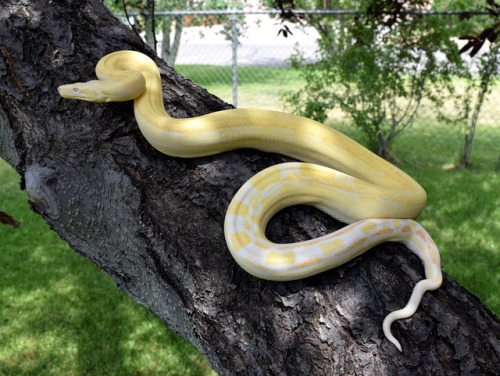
(234, 39)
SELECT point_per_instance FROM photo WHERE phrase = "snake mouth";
(83, 91)
(70, 92)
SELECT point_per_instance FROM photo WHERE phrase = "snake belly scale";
(341, 177)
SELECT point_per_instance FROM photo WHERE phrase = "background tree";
(376, 69)
(475, 89)
(170, 27)
(396, 92)
(488, 69)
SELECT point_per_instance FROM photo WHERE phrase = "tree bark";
(155, 223)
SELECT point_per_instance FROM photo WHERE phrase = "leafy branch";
(491, 34)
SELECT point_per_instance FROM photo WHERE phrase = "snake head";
(92, 91)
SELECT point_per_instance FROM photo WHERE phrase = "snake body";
(341, 177)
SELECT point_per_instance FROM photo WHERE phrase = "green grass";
(61, 315)
(258, 87)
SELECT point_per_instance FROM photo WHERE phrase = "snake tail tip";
(397, 344)
(392, 339)
(387, 331)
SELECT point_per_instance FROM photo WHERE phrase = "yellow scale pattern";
(341, 178)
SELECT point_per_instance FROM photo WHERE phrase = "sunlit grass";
(258, 87)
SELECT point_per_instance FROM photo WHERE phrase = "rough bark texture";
(155, 223)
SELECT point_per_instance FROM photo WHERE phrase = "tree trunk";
(155, 223)
(169, 50)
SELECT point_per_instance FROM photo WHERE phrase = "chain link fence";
(244, 58)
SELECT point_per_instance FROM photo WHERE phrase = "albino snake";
(367, 193)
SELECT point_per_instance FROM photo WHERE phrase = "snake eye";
(76, 90)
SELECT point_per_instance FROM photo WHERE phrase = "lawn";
(61, 315)
(258, 87)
